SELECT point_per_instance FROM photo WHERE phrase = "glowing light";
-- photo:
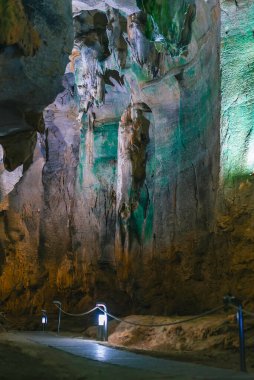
(101, 319)
(43, 320)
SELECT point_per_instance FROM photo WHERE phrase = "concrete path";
(94, 351)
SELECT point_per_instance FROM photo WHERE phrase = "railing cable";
(243, 310)
(164, 324)
(76, 315)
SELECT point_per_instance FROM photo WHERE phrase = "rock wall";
(235, 223)
(135, 206)
(36, 38)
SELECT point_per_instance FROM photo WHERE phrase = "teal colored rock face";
(81, 160)
(96, 190)
(98, 156)
(169, 23)
(135, 182)
(126, 208)
(237, 113)
(105, 153)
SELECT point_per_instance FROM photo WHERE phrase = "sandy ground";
(21, 359)
(211, 341)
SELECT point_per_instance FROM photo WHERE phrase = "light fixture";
(101, 319)
(44, 319)
(102, 322)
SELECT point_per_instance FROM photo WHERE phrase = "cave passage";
(126, 155)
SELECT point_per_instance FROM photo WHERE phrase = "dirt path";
(21, 359)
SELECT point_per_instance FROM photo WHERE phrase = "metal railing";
(228, 303)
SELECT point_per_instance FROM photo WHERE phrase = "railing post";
(103, 323)
(44, 319)
(59, 306)
(241, 337)
(228, 299)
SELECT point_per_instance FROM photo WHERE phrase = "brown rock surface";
(129, 202)
(113, 206)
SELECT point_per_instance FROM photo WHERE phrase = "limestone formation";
(35, 39)
(138, 191)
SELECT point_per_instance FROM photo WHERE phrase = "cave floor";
(37, 355)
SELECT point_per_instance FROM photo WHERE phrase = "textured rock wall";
(36, 38)
(125, 209)
(19, 235)
(185, 174)
(235, 223)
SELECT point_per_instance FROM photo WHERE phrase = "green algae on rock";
(169, 23)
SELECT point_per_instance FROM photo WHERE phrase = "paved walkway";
(95, 351)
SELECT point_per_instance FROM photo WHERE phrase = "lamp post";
(59, 306)
(229, 299)
(241, 337)
(103, 322)
(44, 319)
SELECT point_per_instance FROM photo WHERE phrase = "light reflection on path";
(94, 351)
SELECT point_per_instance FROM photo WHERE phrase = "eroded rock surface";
(34, 44)
(235, 222)
(129, 163)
